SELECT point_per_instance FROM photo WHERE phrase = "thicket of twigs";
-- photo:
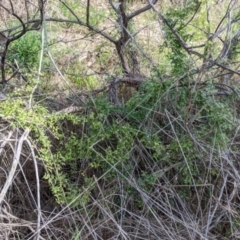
(114, 129)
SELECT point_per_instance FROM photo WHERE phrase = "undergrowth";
(153, 152)
(163, 164)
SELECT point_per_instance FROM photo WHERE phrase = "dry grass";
(28, 209)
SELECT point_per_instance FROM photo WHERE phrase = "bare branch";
(141, 10)
(78, 21)
(88, 7)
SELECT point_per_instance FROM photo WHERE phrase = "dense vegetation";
(119, 120)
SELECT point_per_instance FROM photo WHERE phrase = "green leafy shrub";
(161, 136)
(174, 51)
(163, 125)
